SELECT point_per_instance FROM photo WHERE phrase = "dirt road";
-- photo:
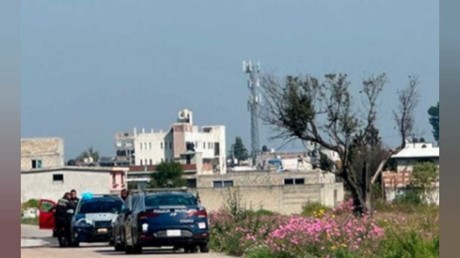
(38, 243)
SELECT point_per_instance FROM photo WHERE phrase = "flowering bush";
(290, 236)
(325, 233)
(236, 234)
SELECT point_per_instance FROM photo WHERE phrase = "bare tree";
(324, 113)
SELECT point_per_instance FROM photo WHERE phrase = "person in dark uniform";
(60, 215)
(73, 199)
(124, 194)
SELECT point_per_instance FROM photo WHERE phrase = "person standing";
(124, 194)
(73, 199)
(60, 215)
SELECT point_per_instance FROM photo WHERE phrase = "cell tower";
(253, 71)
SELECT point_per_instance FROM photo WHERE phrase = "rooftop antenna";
(253, 71)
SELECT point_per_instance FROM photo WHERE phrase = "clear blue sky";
(92, 68)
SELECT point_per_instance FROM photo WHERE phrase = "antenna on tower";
(254, 101)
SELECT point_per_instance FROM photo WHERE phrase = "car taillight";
(198, 213)
(146, 215)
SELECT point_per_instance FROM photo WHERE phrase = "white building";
(183, 142)
(395, 182)
(52, 183)
(414, 153)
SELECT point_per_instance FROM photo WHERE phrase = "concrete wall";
(49, 150)
(287, 199)
(264, 178)
(267, 190)
(40, 184)
(432, 196)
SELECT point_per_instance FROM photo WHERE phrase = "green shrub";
(32, 203)
(313, 209)
(408, 244)
(409, 197)
(262, 252)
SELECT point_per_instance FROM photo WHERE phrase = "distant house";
(44, 175)
(414, 153)
(183, 142)
(52, 183)
(395, 182)
(40, 153)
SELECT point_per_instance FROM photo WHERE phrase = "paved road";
(38, 243)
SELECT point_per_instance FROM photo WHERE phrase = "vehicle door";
(46, 209)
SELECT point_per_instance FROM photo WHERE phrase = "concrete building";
(284, 193)
(138, 177)
(52, 183)
(41, 153)
(184, 142)
(281, 161)
(414, 153)
(44, 175)
(396, 182)
(124, 146)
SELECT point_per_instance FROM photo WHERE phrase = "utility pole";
(253, 71)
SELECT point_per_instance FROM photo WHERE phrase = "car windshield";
(169, 200)
(101, 206)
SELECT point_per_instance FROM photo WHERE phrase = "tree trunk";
(358, 195)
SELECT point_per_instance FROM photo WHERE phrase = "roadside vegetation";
(395, 230)
(32, 203)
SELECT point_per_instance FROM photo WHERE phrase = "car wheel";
(204, 248)
(76, 244)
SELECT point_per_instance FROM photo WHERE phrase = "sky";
(93, 68)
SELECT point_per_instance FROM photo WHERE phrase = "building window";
(170, 145)
(191, 183)
(222, 183)
(141, 162)
(150, 145)
(161, 145)
(114, 180)
(58, 178)
(204, 145)
(140, 145)
(216, 149)
(294, 181)
(36, 163)
(151, 162)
